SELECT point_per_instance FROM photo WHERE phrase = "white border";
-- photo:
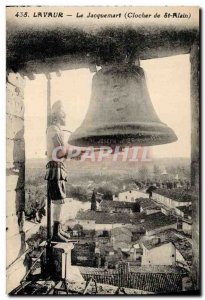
(104, 3)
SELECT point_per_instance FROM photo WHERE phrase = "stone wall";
(15, 177)
(195, 160)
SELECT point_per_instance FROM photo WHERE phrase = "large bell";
(121, 112)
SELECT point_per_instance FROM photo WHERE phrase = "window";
(179, 225)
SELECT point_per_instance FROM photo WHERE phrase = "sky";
(168, 81)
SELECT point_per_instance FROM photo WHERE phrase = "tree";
(93, 202)
(107, 195)
(78, 192)
(156, 170)
(143, 173)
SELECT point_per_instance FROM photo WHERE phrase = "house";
(184, 211)
(117, 206)
(129, 196)
(123, 246)
(121, 234)
(135, 252)
(77, 230)
(102, 222)
(121, 238)
(141, 223)
(156, 252)
(187, 226)
(182, 245)
(106, 249)
(157, 222)
(86, 219)
(166, 210)
(147, 206)
(108, 221)
(106, 254)
(172, 203)
(83, 254)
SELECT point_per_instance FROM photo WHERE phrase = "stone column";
(195, 167)
(15, 176)
(62, 260)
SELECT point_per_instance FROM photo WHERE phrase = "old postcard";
(103, 150)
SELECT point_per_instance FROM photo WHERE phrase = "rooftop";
(150, 244)
(129, 191)
(86, 215)
(157, 220)
(120, 231)
(157, 269)
(108, 218)
(135, 269)
(123, 245)
(117, 204)
(176, 194)
(187, 210)
(158, 282)
(147, 278)
(147, 203)
(147, 222)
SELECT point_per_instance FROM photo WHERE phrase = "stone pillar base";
(60, 260)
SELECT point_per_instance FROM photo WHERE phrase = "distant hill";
(39, 162)
(106, 177)
(115, 168)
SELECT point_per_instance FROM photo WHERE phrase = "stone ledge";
(14, 127)
(16, 80)
(11, 181)
(14, 102)
(16, 242)
(15, 152)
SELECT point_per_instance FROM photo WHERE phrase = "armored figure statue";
(56, 173)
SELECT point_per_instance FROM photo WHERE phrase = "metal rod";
(49, 233)
(33, 265)
(65, 266)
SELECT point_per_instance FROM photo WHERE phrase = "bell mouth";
(124, 135)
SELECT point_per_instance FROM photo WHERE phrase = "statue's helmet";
(57, 111)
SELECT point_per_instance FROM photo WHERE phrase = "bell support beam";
(66, 54)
